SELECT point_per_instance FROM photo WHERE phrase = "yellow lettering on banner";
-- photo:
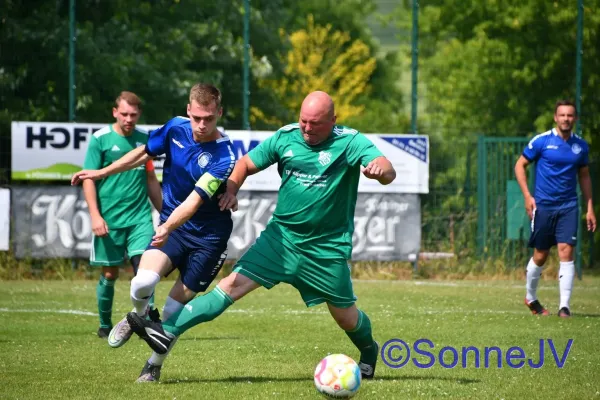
(209, 184)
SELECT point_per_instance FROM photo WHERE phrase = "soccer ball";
(337, 375)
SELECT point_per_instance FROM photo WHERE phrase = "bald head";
(317, 117)
(318, 103)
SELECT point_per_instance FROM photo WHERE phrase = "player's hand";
(591, 220)
(530, 206)
(93, 174)
(228, 201)
(160, 236)
(373, 171)
(99, 226)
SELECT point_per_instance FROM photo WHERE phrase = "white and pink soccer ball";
(337, 375)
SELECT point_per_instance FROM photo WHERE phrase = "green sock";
(362, 337)
(201, 309)
(105, 293)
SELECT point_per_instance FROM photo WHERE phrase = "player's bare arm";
(131, 160)
(521, 174)
(380, 169)
(243, 168)
(99, 226)
(586, 188)
(178, 217)
(154, 190)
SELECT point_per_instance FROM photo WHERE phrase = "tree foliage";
(327, 60)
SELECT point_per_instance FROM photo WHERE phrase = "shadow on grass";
(210, 338)
(267, 379)
(586, 315)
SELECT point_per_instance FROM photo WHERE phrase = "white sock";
(142, 287)
(566, 274)
(171, 307)
(534, 272)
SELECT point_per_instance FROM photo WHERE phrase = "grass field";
(268, 344)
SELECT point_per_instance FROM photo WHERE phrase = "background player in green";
(120, 213)
(309, 240)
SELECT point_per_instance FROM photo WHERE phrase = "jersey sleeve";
(93, 155)
(265, 154)
(210, 182)
(533, 150)
(361, 151)
(158, 140)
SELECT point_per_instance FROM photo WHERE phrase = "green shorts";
(108, 251)
(273, 259)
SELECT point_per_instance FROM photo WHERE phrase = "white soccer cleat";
(120, 334)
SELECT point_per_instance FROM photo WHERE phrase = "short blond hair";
(131, 98)
(204, 94)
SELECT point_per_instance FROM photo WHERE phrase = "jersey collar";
(555, 133)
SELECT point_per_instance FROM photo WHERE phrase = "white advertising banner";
(55, 150)
(53, 221)
(4, 219)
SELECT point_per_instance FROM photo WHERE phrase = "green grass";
(268, 344)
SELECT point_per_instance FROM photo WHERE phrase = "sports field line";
(284, 312)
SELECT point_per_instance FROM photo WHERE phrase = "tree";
(497, 68)
(322, 59)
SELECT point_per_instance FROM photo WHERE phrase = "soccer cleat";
(120, 334)
(367, 371)
(150, 373)
(153, 315)
(564, 312)
(152, 332)
(103, 332)
(536, 308)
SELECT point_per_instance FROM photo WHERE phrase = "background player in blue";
(199, 159)
(560, 157)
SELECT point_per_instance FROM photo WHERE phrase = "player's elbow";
(388, 177)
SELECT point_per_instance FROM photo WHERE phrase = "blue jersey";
(189, 166)
(557, 165)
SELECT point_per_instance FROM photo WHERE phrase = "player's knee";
(540, 257)
(181, 293)
(237, 285)
(142, 285)
(346, 322)
(110, 273)
(565, 252)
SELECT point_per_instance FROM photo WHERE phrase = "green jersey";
(122, 198)
(319, 186)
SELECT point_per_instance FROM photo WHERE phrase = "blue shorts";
(549, 227)
(198, 262)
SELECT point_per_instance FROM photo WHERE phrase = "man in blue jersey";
(561, 157)
(308, 241)
(199, 159)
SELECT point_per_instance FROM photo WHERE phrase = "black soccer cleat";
(564, 312)
(536, 308)
(150, 373)
(103, 332)
(153, 315)
(367, 371)
(152, 332)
